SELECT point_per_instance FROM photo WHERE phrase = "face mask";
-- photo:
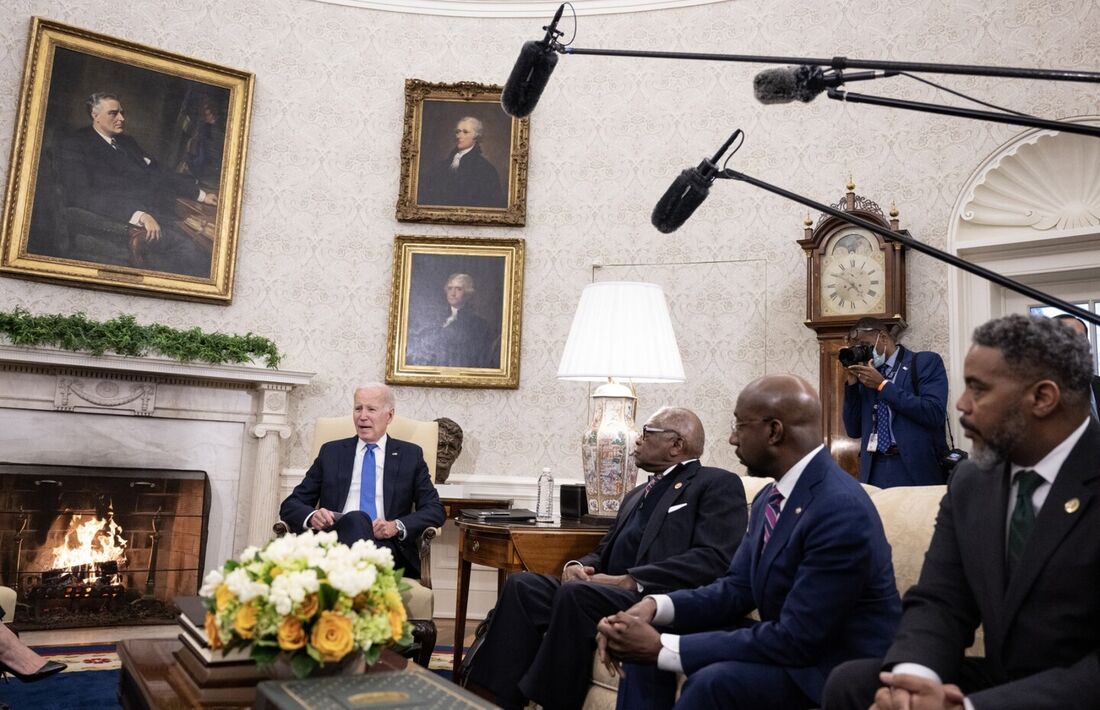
(879, 358)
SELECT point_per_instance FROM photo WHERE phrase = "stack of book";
(206, 677)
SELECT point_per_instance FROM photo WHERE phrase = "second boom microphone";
(803, 83)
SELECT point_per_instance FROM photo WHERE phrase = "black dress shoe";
(48, 669)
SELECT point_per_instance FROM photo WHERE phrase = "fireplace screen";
(85, 546)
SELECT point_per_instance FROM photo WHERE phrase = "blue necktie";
(366, 484)
(885, 441)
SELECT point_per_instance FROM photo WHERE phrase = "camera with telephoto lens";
(855, 355)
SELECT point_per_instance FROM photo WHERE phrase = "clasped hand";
(910, 692)
(628, 637)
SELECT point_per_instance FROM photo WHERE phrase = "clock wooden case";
(851, 272)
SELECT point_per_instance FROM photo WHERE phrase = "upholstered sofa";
(908, 516)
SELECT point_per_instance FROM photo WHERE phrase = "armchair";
(419, 600)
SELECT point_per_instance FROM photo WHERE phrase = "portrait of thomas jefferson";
(464, 155)
(455, 317)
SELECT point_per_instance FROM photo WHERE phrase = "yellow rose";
(276, 571)
(291, 635)
(222, 597)
(332, 636)
(210, 625)
(397, 622)
(245, 621)
(308, 607)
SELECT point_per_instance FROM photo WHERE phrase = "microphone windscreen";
(785, 84)
(529, 77)
(680, 200)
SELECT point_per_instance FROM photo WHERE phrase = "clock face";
(852, 283)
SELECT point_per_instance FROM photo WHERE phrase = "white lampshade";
(622, 330)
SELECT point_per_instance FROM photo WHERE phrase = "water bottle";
(544, 508)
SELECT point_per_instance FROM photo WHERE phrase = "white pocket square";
(674, 508)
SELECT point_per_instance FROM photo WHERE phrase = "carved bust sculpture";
(450, 446)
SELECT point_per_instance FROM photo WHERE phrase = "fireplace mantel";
(63, 407)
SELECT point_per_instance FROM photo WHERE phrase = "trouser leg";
(562, 669)
(519, 621)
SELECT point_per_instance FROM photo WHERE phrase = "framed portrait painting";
(455, 312)
(463, 160)
(127, 167)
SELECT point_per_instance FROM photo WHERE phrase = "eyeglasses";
(647, 430)
(740, 424)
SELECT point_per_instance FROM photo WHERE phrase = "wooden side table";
(514, 547)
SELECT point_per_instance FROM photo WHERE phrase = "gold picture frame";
(487, 183)
(456, 310)
(127, 167)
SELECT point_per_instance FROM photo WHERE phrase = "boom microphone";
(688, 191)
(804, 83)
(531, 72)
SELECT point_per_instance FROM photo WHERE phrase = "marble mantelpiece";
(61, 407)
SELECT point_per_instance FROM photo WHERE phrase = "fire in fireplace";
(88, 546)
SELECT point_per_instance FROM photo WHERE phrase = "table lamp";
(621, 331)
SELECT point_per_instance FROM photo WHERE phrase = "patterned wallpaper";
(608, 137)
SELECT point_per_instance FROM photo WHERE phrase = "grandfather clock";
(851, 272)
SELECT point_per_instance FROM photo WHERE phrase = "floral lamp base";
(607, 449)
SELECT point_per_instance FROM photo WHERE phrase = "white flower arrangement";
(309, 597)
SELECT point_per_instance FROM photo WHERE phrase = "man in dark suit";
(677, 531)
(896, 404)
(369, 487)
(465, 178)
(1080, 328)
(815, 564)
(105, 171)
(1015, 548)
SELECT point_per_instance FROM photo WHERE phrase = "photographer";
(895, 402)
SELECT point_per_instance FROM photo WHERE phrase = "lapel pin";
(679, 485)
(1072, 505)
(798, 510)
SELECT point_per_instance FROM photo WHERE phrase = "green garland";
(124, 336)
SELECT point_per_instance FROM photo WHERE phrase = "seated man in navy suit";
(896, 405)
(814, 563)
(369, 487)
(677, 531)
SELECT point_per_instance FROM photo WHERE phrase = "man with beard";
(1015, 548)
(677, 531)
(814, 563)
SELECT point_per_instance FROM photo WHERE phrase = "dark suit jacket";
(117, 183)
(918, 419)
(468, 341)
(474, 184)
(690, 545)
(824, 586)
(1042, 628)
(407, 490)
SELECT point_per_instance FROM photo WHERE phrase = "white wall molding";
(519, 8)
(1029, 211)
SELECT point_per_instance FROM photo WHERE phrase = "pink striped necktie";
(771, 513)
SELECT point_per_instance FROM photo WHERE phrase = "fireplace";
(97, 546)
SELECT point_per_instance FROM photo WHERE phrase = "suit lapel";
(344, 464)
(1075, 482)
(630, 502)
(657, 518)
(991, 532)
(390, 472)
(800, 499)
(905, 369)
